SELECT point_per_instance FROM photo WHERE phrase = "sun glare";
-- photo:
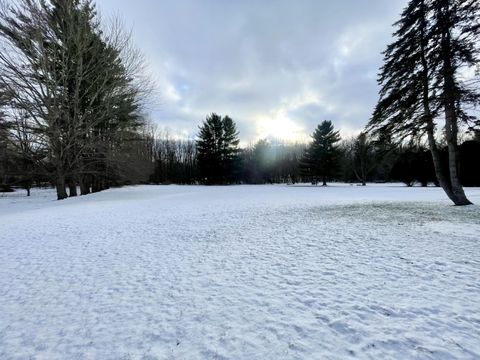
(279, 128)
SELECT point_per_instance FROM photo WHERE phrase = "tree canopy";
(217, 147)
(321, 160)
(421, 81)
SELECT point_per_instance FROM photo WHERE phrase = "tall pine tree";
(456, 37)
(217, 147)
(419, 79)
(322, 158)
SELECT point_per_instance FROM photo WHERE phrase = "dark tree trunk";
(96, 185)
(324, 179)
(60, 186)
(437, 162)
(443, 180)
(451, 130)
(451, 121)
(361, 178)
(72, 188)
(84, 186)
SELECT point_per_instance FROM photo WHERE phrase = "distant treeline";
(157, 158)
(73, 90)
(280, 162)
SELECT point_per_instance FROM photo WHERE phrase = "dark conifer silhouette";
(420, 82)
(321, 160)
(217, 148)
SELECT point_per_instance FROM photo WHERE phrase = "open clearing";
(240, 272)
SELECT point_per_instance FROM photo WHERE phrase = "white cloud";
(277, 67)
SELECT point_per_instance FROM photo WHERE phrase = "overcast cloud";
(278, 68)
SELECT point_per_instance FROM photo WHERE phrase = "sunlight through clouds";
(277, 68)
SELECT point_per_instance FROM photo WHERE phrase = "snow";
(240, 272)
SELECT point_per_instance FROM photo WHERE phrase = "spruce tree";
(456, 37)
(322, 158)
(217, 147)
(416, 79)
(230, 142)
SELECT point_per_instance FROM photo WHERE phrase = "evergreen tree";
(456, 37)
(321, 160)
(74, 90)
(412, 165)
(469, 169)
(217, 147)
(230, 158)
(434, 40)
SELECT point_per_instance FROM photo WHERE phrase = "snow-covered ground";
(241, 272)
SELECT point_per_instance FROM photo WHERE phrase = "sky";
(277, 67)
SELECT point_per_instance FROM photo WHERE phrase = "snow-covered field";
(241, 272)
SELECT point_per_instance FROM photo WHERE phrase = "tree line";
(72, 95)
(215, 158)
(156, 157)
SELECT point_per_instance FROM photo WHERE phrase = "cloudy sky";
(277, 67)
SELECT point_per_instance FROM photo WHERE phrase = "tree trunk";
(324, 179)
(362, 179)
(96, 185)
(84, 186)
(437, 162)
(443, 180)
(451, 131)
(452, 186)
(451, 121)
(60, 186)
(72, 189)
